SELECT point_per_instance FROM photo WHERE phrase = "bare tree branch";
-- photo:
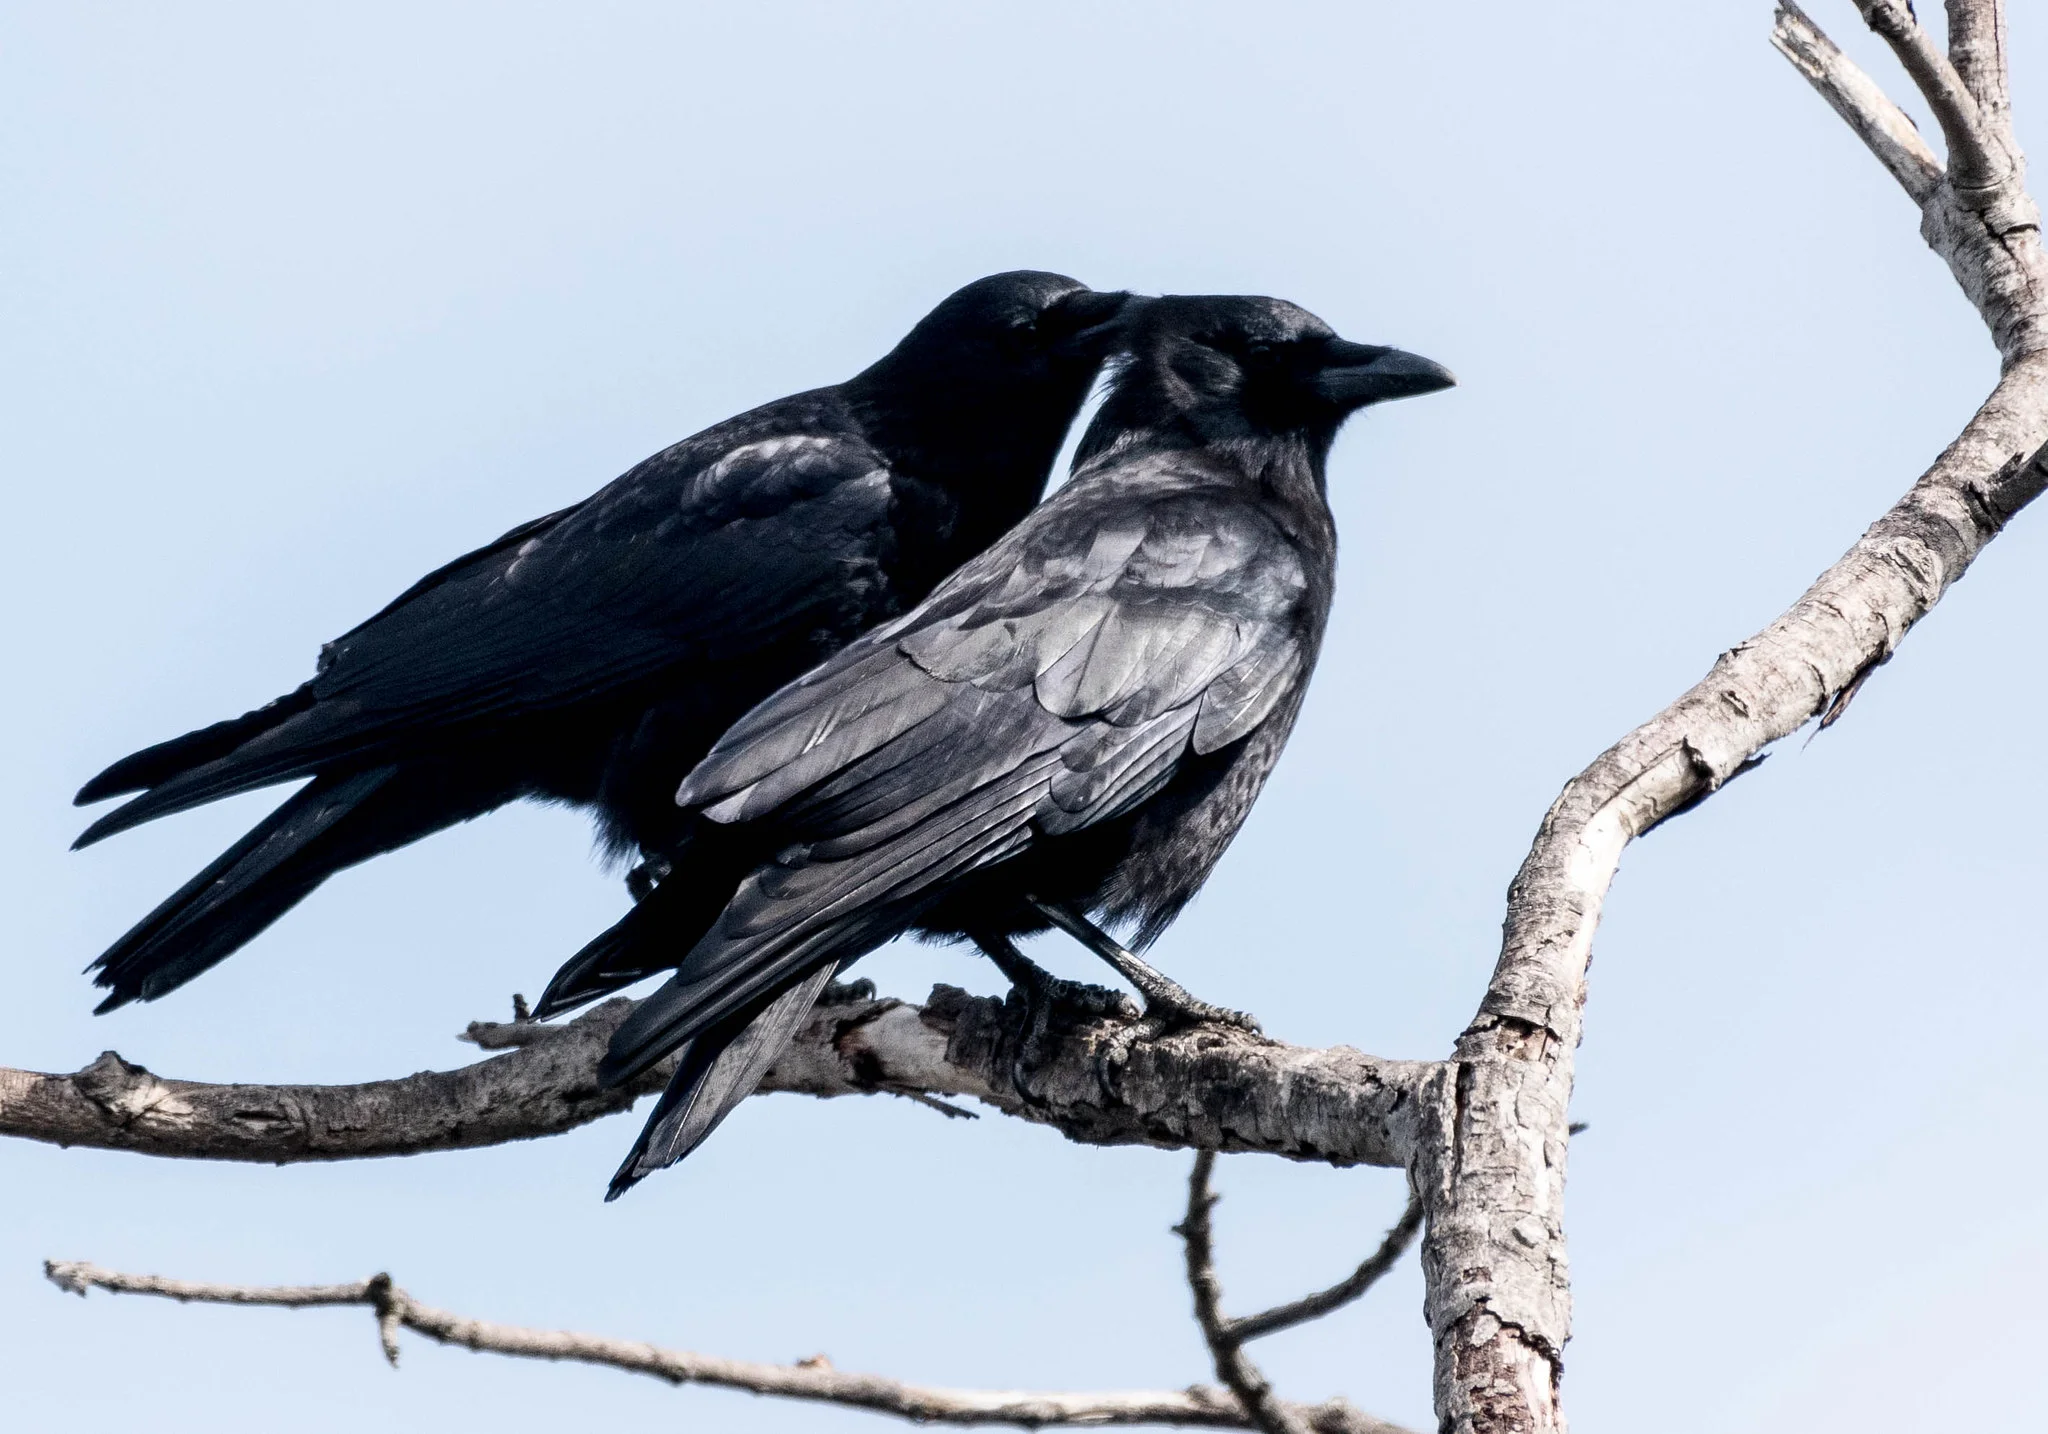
(1234, 1367)
(1976, 47)
(1342, 1293)
(1492, 1154)
(811, 1379)
(1866, 108)
(1213, 1087)
(1491, 1159)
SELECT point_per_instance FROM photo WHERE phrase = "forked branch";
(1976, 160)
(1234, 1367)
(1226, 1337)
(1491, 1159)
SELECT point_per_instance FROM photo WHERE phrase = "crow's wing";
(686, 558)
(1054, 683)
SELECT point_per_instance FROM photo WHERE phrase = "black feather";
(246, 888)
(718, 1070)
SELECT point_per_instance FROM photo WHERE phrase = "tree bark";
(1213, 1088)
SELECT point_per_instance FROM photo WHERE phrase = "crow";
(593, 655)
(1068, 732)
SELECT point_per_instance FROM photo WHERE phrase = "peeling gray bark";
(1211, 1088)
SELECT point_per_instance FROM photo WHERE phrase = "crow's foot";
(1166, 1000)
(1049, 1002)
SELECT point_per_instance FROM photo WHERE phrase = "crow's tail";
(719, 1069)
(735, 1003)
(153, 766)
(335, 822)
(631, 949)
(660, 930)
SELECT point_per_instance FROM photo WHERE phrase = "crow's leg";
(1165, 998)
(1041, 992)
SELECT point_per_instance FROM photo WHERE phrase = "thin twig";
(1265, 1409)
(1976, 161)
(1859, 100)
(812, 1379)
(1342, 1293)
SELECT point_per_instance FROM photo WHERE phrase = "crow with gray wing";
(593, 655)
(1068, 732)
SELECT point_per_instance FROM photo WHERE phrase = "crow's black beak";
(1094, 320)
(1358, 374)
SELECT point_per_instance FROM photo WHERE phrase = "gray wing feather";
(821, 740)
(1245, 694)
(1109, 777)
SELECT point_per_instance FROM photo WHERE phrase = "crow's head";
(1019, 323)
(1243, 366)
(982, 390)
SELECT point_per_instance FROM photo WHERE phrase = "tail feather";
(719, 1069)
(334, 823)
(240, 892)
(659, 931)
(155, 765)
(194, 787)
(624, 953)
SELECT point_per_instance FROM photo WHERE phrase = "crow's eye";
(1258, 351)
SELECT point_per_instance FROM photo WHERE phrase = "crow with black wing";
(1068, 731)
(593, 655)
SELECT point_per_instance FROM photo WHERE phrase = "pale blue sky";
(299, 303)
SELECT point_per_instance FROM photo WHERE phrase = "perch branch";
(811, 1379)
(1212, 1087)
